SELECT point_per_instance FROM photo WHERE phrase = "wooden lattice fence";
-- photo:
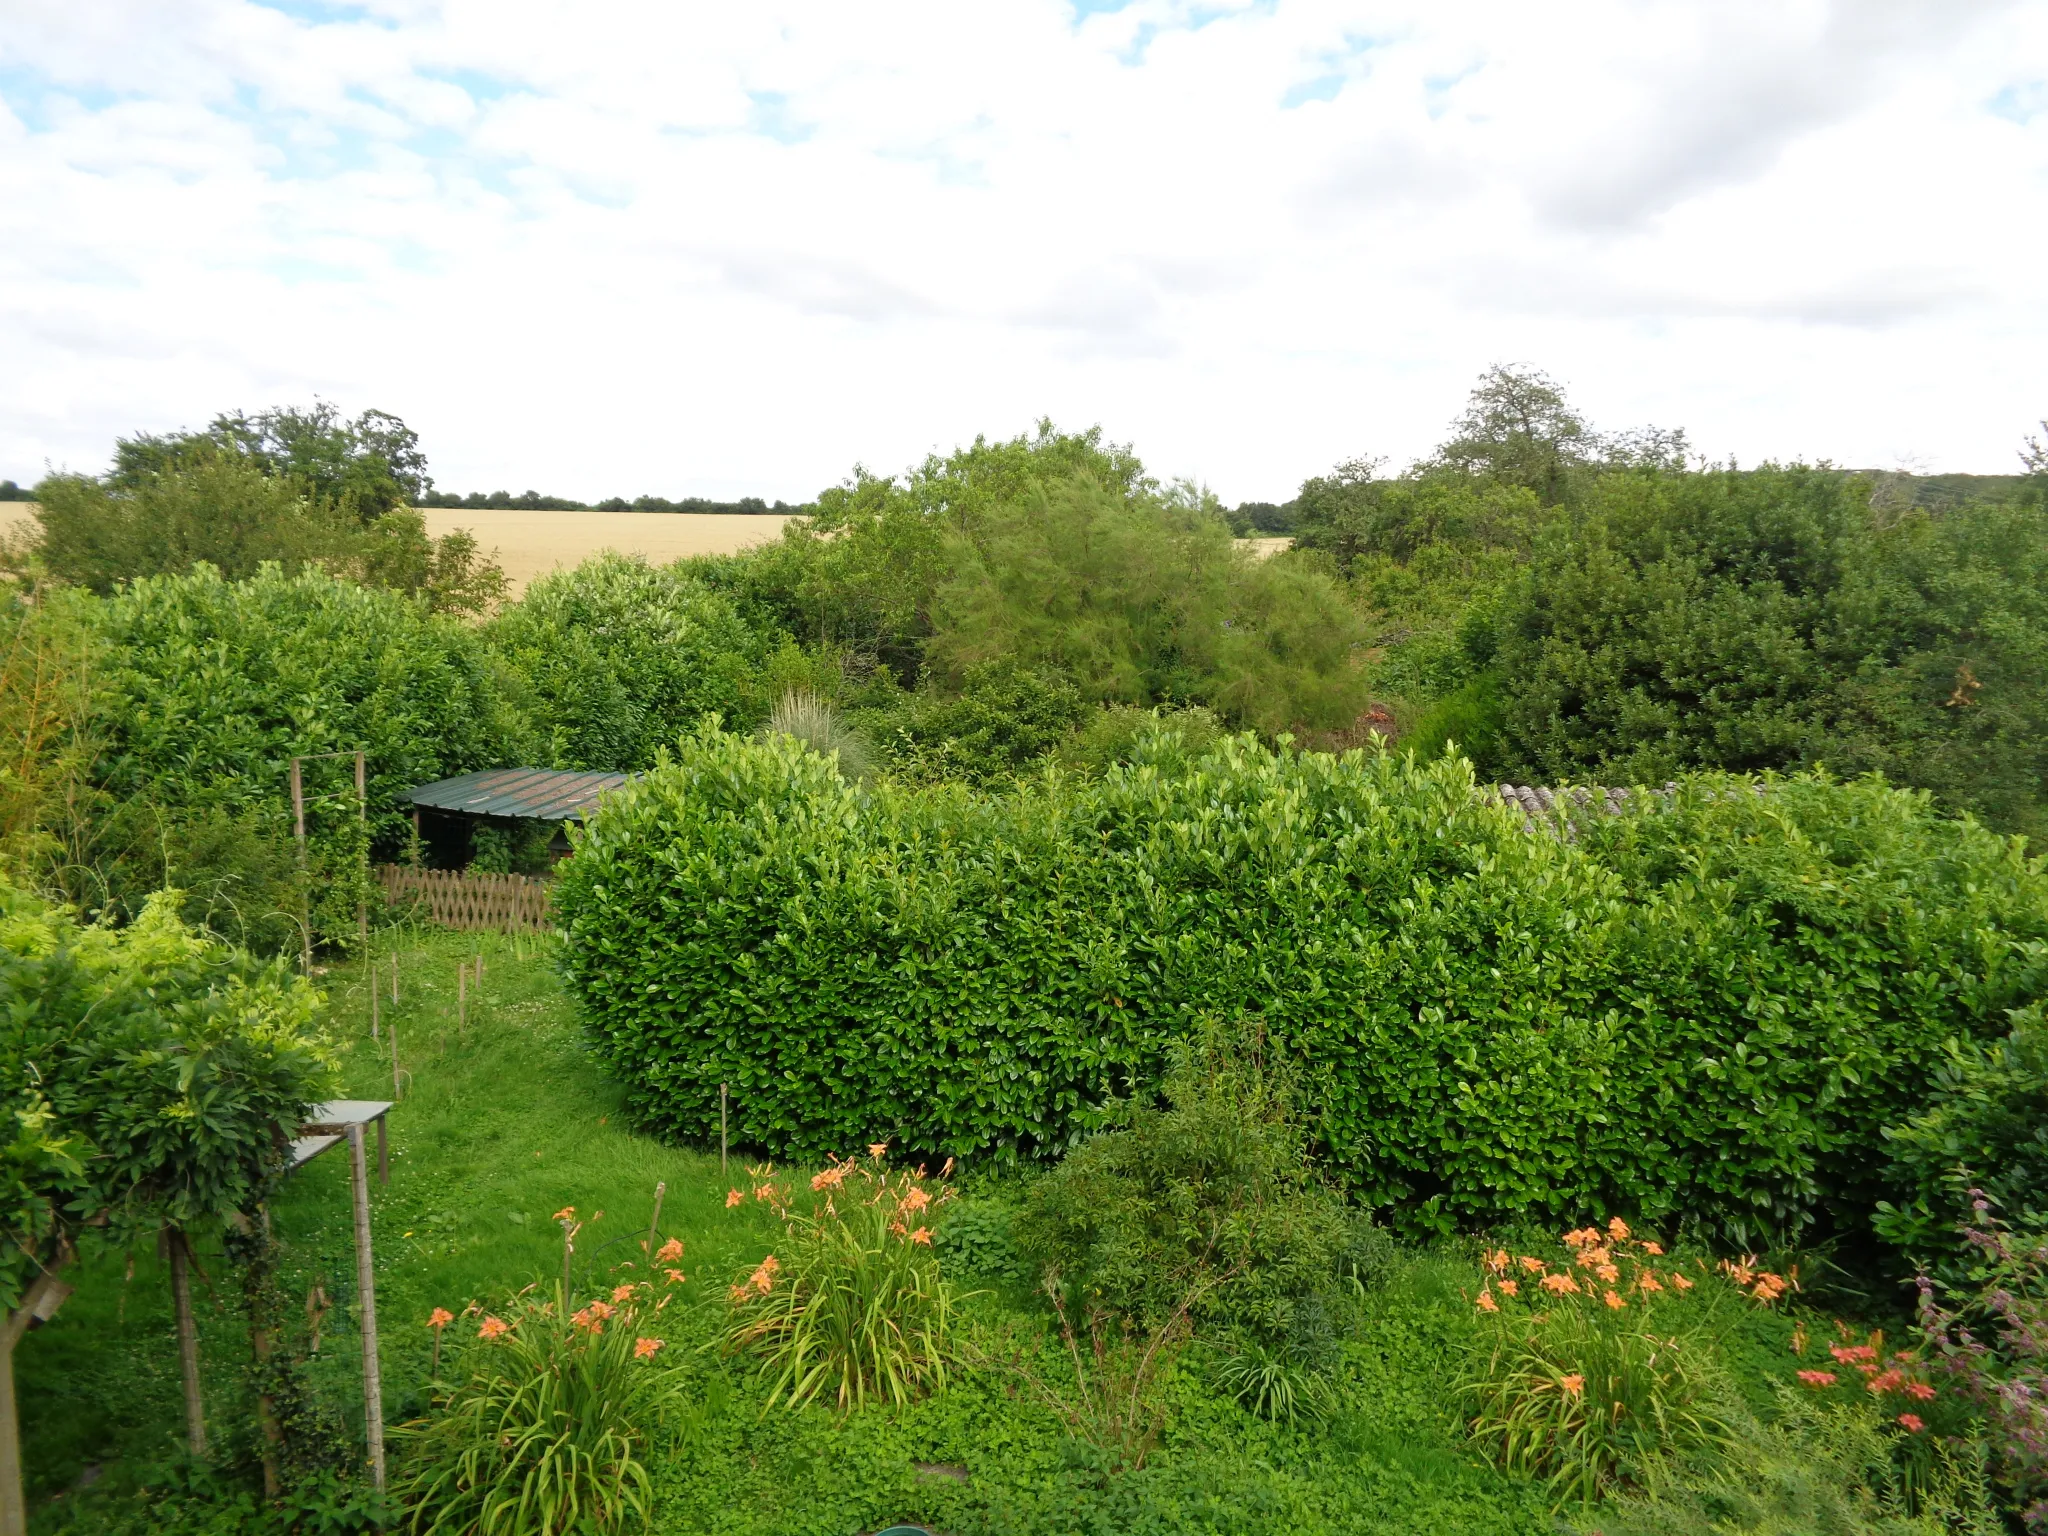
(507, 903)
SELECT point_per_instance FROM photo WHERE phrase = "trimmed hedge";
(1708, 1007)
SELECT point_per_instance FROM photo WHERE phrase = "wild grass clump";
(850, 1306)
(804, 717)
(546, 1428)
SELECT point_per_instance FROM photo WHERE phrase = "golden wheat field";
(530, 544)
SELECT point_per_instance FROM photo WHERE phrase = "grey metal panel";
(540, 794)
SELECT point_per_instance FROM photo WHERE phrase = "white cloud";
(706, 248)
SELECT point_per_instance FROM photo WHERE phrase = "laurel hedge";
(1709, 1006)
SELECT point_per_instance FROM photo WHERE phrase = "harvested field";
(530, 544)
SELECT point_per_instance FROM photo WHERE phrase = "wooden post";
(660, 1189)
(366, 1309)
(305, 870)
(721, 1130)
(374, 978)
(394, 981)
(363, 819)
(383, 1154)
(395, 1094)
(188, 1341)
(461, 997)
(13, 1503)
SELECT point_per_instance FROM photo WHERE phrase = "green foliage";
(1764, 620)
(622, 657)
(548, 1426)
(1274, 1384)
(1353, 514)
(852, 1307)
(148, 1074)
(1204, 1204)
(293, 487)
(208, 687)
(1982, 1124)
(1005, 717)
(1808, 1468)
(1123, 734)
(1709, 1005)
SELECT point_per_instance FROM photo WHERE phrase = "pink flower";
(1817, 1378)
(1920, 1390)
(1912, 1422)
(643, 1349)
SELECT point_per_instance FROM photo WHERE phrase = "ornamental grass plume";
(851, 1304)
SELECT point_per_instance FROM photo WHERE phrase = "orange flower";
(441, 1317)
(732, 1198)
(1654, 1250)
(916, 1200)
(830, 1178)
(1531, 1264)
(1817, 1378)
(669, 1252)
(1614, 1302)
(1890, 1381)
(1647, 1283)
(763, 1278)
(1563, 1284)
(1510, 1287)
(922, 1235)
(1912, 1422)
(1769, 1287)
(876, 1149)
(1680, 1281)
(622, 1293)
(566, 1213)
(1487, 1303)
(1850, 1354)
(947, 1171)
(1496, 1260)
(1573, 1384)
(1608, 1273)
(1578, 1238)
(1920, 1390)
(494, 1328)
(601, 1308)
(1618, 1230)
(643, 1349)
(675, 1276)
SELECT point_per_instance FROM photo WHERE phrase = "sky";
(719, 249)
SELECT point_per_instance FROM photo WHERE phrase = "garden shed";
(513, 806)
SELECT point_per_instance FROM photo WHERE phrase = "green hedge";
(1709, 1008)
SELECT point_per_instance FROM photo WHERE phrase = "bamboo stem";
(721, 1130)
(13, 1503)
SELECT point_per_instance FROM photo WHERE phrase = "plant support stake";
(188, 1340)
(366, 1307)
(721, 1130)
(660, 1189)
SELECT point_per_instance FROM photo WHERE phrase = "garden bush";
(1710, 1004)
(206, 688)
(622, 656)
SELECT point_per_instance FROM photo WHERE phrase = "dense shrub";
(1766, 619)
(1709, 1006)
(623, 656)
(1206, 1203)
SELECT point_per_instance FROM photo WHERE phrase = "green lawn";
(508, 1121)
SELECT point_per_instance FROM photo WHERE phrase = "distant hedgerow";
(1711, 1006)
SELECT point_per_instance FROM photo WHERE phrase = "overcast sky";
(681, 248)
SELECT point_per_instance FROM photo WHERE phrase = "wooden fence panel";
(506, 903)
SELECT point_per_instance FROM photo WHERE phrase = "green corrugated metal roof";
(538, 794)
